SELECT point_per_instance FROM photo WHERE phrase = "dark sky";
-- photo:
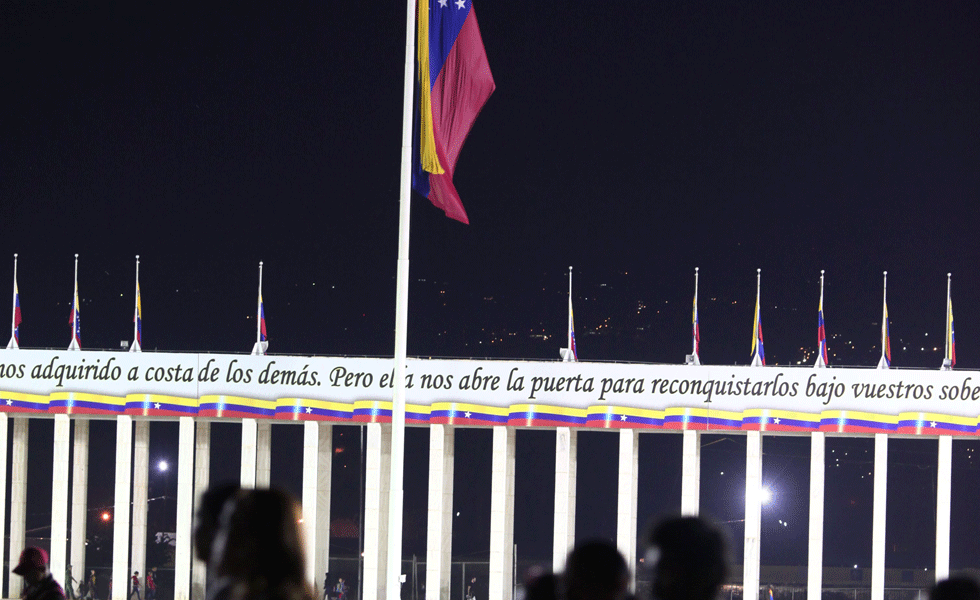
(634, 141)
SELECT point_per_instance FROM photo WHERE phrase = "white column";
(814, 573)
(878, 518)
(141, 484)
(3, 489)
(202, 478)
(629, 460)
(691, 473)
(185, 506)
(439, 540)
(59, 496)
(502, 513)
(263, 453)
(249, 435)
(317, 465)
(18, 500)
(376, 479)
(944, 491)
(753, 514)
(79, 499)
(566, 466)
(120, 517)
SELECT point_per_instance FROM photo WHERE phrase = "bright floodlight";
(162, 465)
(765, 495)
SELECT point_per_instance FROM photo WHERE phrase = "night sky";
(633, 141)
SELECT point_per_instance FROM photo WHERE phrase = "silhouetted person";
(151, 584)
(207, 516)
(259, 552)
(688, 558)
(40, 585)
(90, 586)
(956, 588)
(542, 587)
(595, 571)
(69, 584)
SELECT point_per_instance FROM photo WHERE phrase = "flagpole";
(75, 345)
(570, 324)
(395, 492)
(756, 361)
(821, 343)
(883, 363)
(694, 341)
(136, 311)
(258, 310)
(13, 312)
(948, 361)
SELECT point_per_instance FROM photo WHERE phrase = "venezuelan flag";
(454, 84)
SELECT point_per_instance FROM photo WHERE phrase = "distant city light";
(106, 516)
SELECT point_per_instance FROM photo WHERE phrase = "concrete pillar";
(141, 484)
(79, 499)
(566, 467)
(501, 581)
(376, 479)
(629, 460)
(59, 496)
(944, 491)
(317, 465)
(878, 518)
(439, 539)
(4, 420)
(185, 507)
(202, 478)
(814, 573)
(18, 500)
(263, 453)
(691, 473)
(120, 517)
(753, 515)
(249, 435)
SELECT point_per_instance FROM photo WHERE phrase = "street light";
(106, 516)
(163, 466)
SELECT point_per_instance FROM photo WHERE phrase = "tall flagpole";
(884, 363)
(258, 311)
(136, 346)
(395, 492)
(756, 342)
(13, 313)
(570, 355)
(75, 342)
(695, 333)
(260, 346)
(947, 359)
(821, 343)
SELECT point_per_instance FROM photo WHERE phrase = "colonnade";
(193, 466)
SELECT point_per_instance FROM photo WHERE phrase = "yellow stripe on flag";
(427, 139)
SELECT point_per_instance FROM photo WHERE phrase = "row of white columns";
(193, 466)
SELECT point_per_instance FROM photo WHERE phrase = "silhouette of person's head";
(595, 570)
(260, 546)
(956, 588)
(688, 557)
(207, 515)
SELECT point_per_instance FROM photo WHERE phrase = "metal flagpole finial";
(758, 271)
(948, 275)
(821, 271)
(696, 269)
(137, 257)
(76, 256)
(260, 263)
(15, 255)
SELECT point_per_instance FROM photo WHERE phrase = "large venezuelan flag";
(454, 84)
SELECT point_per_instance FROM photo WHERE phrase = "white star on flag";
(932, 424)
(622, 417)
(467, 414)
(442, 3)
(309, 410)
(776, 420)
(156, 405)
(9, 402)
(461, 4)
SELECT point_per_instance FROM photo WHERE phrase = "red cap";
(31, 559)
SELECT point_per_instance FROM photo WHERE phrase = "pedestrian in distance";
(40, 584)
(90, 586)
(69, 583)
(151, 584)
(135, 586)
